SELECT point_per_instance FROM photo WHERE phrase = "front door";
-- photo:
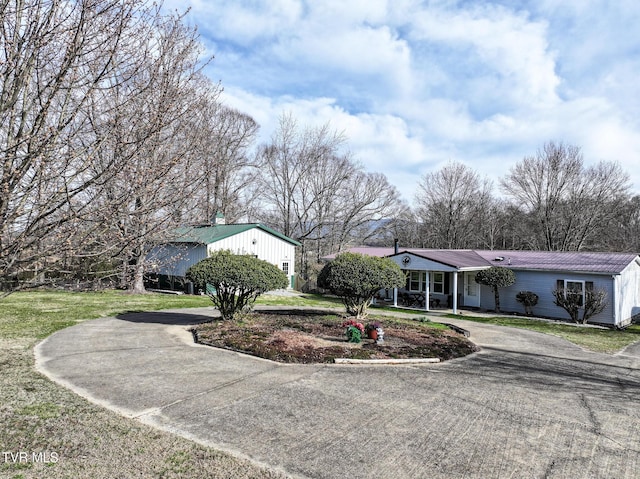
(471, 290)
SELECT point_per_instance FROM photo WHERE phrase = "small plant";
(528, 299)
(354, 323)
(354, 335)
(372, 326)
(354, 331)
(572, 301)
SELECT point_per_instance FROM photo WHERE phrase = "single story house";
(188, 245)
(438, 277)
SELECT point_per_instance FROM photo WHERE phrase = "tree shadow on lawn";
(185, 318)
(169, 318)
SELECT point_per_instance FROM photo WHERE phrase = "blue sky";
(415, 84)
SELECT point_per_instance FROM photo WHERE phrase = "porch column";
(455, 292)
(426, 294)
(395, 297)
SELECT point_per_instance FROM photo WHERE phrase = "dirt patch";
(313, 337)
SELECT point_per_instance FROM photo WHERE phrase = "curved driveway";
(527, 406)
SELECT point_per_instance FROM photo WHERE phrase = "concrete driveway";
(527, 406)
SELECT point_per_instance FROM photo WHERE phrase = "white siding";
(628, 285)
(262, 244)
(175, 259)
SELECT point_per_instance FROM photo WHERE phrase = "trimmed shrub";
(528, 299)
(355, 278)
(497, 277)
(237, 280)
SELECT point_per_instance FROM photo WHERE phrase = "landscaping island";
(319, 337)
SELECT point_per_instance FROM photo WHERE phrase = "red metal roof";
(458, 258)
(587, 262)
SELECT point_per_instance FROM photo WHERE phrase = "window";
(437, 282)
(575, 288)
(285, 267)
(416, 280)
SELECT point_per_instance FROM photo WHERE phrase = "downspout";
(395, 290)
(614, 305)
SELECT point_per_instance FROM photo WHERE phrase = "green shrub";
(528, 299)
(355, 278)
(236, 280)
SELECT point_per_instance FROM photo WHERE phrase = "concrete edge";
(457, 329)
(40, 365)
(386, 361)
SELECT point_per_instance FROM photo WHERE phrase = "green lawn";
(593, 339)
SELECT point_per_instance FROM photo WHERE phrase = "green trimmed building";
(169, 262)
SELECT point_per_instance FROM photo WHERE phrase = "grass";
(594, 339)
(41, 313)
(69, 436)
(310, 300)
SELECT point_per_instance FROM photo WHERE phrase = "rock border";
(386, 361)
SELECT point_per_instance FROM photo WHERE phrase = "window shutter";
(447, 277)
(588, 285)
(559, 284)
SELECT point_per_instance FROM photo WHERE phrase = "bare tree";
(449, 203)
(293, 175)
(224, 165)
(315, 193)
(153, 131)
(54, 57)
(591, 302)
(403, 226)
(624, 230)
(364, 207)
(568, 203)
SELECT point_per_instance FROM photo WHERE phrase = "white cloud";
(414, 84)
(503, 53)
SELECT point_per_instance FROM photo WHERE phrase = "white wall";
(628, 286)
(262, 244)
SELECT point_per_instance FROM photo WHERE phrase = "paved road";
(527, 406)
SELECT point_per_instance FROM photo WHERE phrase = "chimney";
(395, 246)
(218, 219)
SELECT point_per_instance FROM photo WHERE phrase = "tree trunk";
(137, 285)
(497, 298)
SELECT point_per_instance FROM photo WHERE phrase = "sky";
(416, 84)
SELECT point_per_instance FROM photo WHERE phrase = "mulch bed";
(319, 337)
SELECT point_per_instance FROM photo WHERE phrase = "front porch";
(433, 284)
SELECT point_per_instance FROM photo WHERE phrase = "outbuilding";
(188, 245)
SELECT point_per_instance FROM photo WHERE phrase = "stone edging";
(386, 361)
(457, 329)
